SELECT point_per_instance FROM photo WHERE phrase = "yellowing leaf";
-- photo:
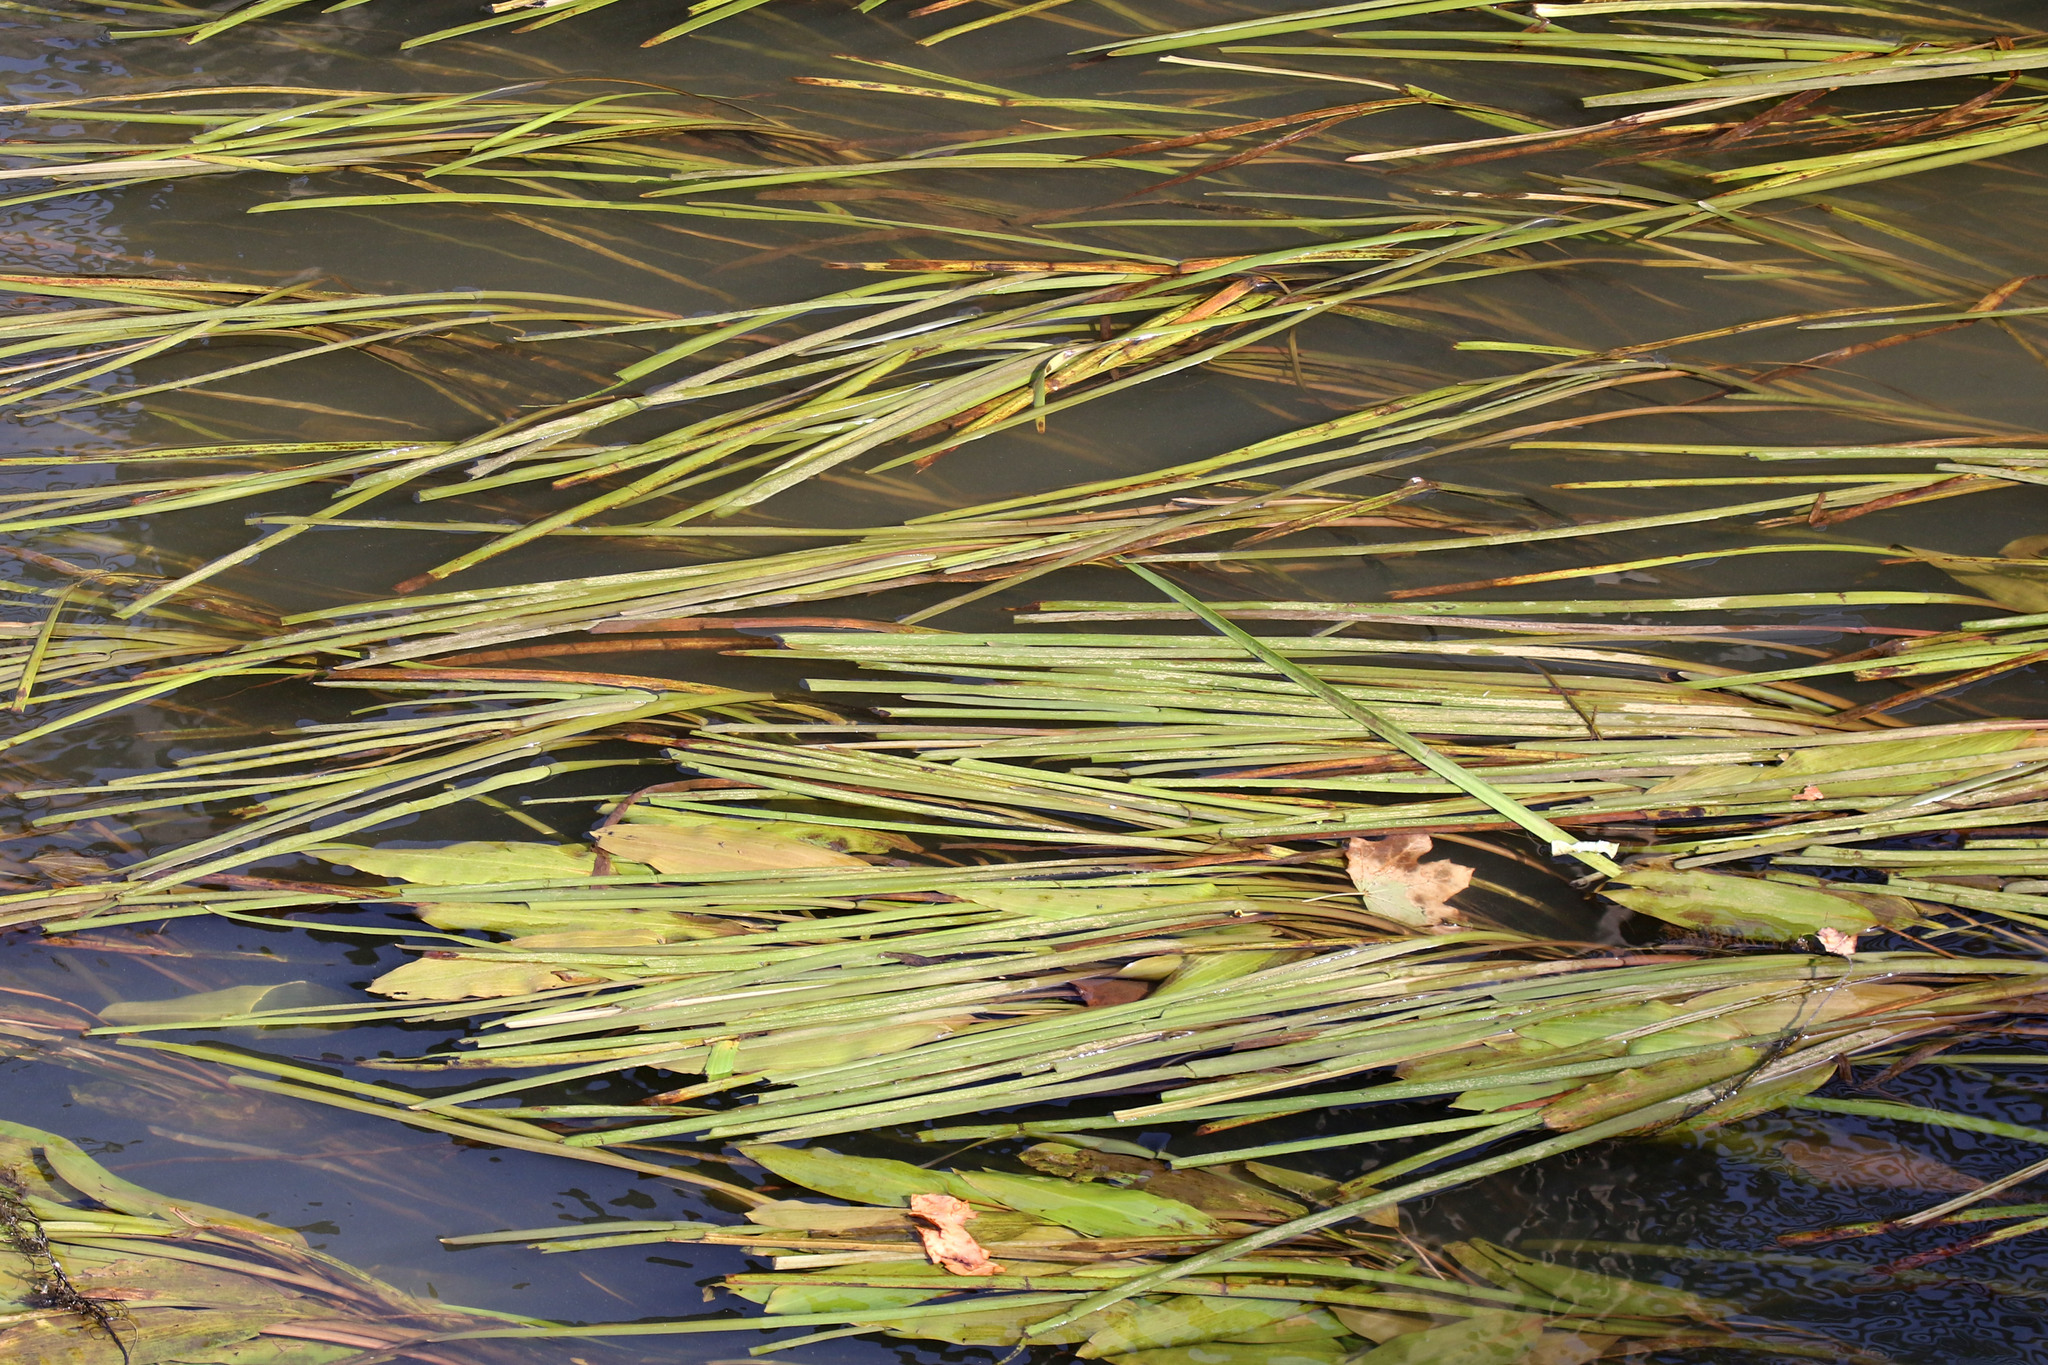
(1399, 887)
(1817, 766)
(473, 978)
(839, 838)
(800, 1214)
(518, 918)
(685, 850)
(799, 1052)
(475, 863)
(1746, 907)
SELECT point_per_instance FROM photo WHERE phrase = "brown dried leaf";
(940, 1222)
(1097, 991)
(1398, 886)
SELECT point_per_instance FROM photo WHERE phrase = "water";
(379, 1195)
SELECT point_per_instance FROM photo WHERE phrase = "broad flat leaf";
(518, 918)
(1486, 1338)
(476, 863)
(1816, 766)
(1399, 887)
(1596, 1025)
(844, 1298)
(473, 978)
(147, 1336)
(285, 995)
(1486, 1099)
(1816, 1004)
(1091, 1210)
(1231, 1353)
(725, 847)
(1377, 1324)
(797, 1213)
(1213, 1191)
(1588, 1291)
(1001, 1327)
(1214, 969)
(1746, 907)
(1568, 1348)
(856, 1179)
(1301, 1327)
(839, 838)
(1183, 1320)
(1633, 1088)
(627, 935)
(782, 1057)
(150, 1281)
(1752, 1100)
(1319, 1189)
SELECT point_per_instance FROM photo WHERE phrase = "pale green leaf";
(1745, 907)
(474, 863)
(1091, 1210)
(856, 1179)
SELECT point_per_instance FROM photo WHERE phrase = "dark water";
(379, 1195)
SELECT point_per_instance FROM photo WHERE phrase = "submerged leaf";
(1865, 1161)
(223, 1004)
